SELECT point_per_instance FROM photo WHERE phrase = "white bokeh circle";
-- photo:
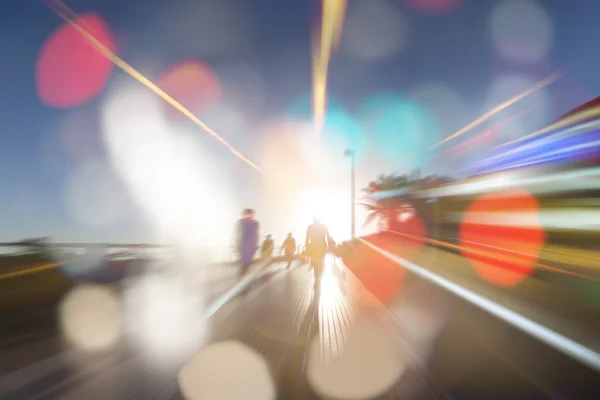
(367, 367)
(375, 29)
(521, 30)
(91, 317)
(227, 371)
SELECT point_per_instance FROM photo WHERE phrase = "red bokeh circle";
(70, 71)
(381, 277)
(510, 250)
(192, 83)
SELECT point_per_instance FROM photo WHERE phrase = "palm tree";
(381, 197)
(390, 194)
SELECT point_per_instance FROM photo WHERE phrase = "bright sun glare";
(332, 208)
(330, 285)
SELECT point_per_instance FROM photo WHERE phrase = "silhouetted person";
(317, 243)
(247, 239)
(267, 247)
(289, 249)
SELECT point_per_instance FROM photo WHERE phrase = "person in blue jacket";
(247, 239)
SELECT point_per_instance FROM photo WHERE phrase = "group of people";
(317, 243)
(288, 248)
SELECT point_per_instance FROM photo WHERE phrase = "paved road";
(474, 356)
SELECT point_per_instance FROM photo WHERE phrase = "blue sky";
(453, 49)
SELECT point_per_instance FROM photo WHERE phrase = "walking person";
(247, 239)
(267, 248)
(289, 249)
(318, 241)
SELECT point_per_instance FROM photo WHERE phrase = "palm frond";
(380, 206)
(370, 218)
(371, 207)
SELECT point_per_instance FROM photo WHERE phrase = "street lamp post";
(350, 154)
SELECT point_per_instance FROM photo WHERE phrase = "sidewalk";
(278, 319)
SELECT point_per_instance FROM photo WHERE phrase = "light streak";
(493, 253)
(571, 131)
(50, 266)
(502, 106)
(243, 283)
(579, 117)
(332, 22)
(69, 16)
(581, 179)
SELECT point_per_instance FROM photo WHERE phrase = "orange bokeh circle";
(381, 277)
(504, 252)
(192, 83)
